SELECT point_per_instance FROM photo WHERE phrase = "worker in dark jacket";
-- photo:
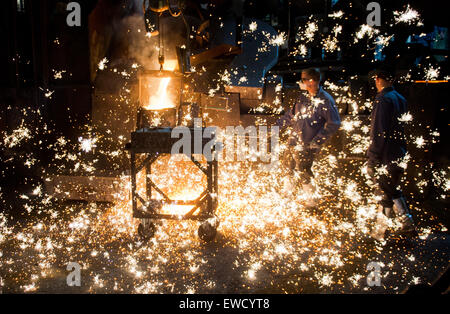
(313, 119)
(387, 148)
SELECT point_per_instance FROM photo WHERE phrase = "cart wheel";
(207, 231)
(146, 230)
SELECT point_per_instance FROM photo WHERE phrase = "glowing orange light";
(432, 81)
(160, 100)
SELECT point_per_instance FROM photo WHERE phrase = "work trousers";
(389, 185)
(301, 161)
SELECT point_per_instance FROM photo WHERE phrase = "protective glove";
(314, 146)
(372, 170)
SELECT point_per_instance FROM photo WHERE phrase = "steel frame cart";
(153, 143)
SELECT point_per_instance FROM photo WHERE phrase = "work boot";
(310, 202)
(381, 223)
(309, 189)
(288, 186)
(402, 212)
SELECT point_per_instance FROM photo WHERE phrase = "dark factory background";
(37, 42)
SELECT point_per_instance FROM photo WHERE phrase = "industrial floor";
(293, 250)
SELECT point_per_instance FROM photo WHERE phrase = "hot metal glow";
(160, 100)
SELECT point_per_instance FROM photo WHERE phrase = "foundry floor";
(174, 264)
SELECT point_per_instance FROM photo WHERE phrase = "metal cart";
(153, 143)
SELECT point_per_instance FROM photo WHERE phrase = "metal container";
(159, 98)
(164, 118)
(150, 85)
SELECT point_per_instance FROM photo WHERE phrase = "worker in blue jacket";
(313, 119)
(387, 148)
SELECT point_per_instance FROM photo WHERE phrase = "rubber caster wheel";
(146, 230)
(208, 230)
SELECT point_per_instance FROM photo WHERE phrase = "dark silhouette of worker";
(313, 119)
(387, 148)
